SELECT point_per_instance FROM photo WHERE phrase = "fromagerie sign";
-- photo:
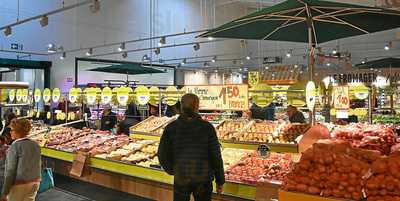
(221, 97)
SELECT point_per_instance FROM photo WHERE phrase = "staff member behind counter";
(295, 116)
(108, 120)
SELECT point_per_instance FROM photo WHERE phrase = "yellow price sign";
(56, 95)
(11, 95)
(37, 114)
(48, 115)
(262, 95)
(46, 95)
(253, 78)
(361, 92)
(37, 94)
(106, 95)
(142, 95)
(25, 94)
(19, 95)
(91, 95)
(123, 95)
(74, 94)
(3, 95)
(154, 95)
(171, 95)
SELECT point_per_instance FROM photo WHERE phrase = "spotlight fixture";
(328, 64)
(95, 7)
(296, 66)
(216, 71)
(210, 38)
(121, 47)
(51, 48)
(248, 57)
(8, 31)
(157, 51)
(196, 46)
(44, 21)
(162, 41)
(364, 61)
(240, 69)
(388, 46)
(371, 69)
(183, 62)
(145, 58)
(89, 52)
(266, 67)
(63, 55)
(124, 55)
(289, 53)
(206, 64)
(214, 59)
(334, 51)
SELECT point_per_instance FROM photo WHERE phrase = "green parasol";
(128, 69)
(310, 21)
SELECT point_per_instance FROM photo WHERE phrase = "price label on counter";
(78, 164)
(46, 95)
(341, 97)
(263, 151)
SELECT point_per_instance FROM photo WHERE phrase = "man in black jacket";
(189, 149)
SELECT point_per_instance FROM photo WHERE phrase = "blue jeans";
(200, 191)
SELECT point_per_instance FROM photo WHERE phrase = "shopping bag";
(47, 181)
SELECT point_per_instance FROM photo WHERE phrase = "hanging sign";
(360, 92)
(154, 95)
(25, 94)
(253, 78)
(221, 97)
(19, 95)
(310, 95)
(37, 95)
(106, 95)
(341, 97)
(91, 95)
(11, 95)
(74, 94)
(56, 95)
(172, 95)
(142, 95)
(262, 95)
(3, 94)
(46, 95)
(123, 95)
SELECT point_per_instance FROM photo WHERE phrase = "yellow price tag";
(48, 115)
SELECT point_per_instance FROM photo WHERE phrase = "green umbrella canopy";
(129, 68)
(381, 63)
(289, 20)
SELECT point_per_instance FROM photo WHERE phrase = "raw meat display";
(62, 135)
(152, 125)
(252, 168)
(263, 127)
(85, 143)
(108, 146)
(367, 136)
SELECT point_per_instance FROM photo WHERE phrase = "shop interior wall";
(120, 20)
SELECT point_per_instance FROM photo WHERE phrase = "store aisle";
(68, 189)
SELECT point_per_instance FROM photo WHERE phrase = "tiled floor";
(68, 189)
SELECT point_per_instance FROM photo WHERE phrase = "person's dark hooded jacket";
(189, 149)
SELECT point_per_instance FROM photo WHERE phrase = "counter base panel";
(294, 196)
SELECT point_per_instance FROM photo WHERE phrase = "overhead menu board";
(221, 97)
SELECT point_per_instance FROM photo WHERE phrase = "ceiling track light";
(214, 59)
(364, 61)
(210, 38)
(95, 7)
(157, 51)
(145, 58)
(196, 46)
(8, 31)
(289, 53)
(124, 55)
(44, 21)
(334, 51)
(388, 46)
(89, 52)
(183, 62)
(121, 47)
(328, 64)
(51, 48)
(162, 41)
(248, 57)
(63, 55)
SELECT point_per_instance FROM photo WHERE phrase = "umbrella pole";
(311, 68)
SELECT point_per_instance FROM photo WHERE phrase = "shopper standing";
(189, 149)
(23, 165)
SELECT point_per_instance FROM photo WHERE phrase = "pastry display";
(231, 156)
(151, 125)
(230, 129)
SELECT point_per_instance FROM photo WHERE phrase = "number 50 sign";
(341, 97)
